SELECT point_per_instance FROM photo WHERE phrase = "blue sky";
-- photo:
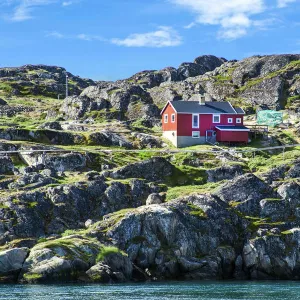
(110, 40)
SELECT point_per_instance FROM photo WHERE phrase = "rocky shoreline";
(90, 214)
(95, 231)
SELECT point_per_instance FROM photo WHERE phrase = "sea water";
(285, 290)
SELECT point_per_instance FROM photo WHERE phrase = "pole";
(67, 88)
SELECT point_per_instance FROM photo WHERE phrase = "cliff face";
(99, 229)
(95, 215)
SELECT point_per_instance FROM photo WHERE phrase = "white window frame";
(198, 134)
(215, 115)
(166, 118)
(173, 118)
(238, 120)
(230, 120)
(197, 121)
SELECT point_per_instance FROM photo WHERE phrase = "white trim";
(198, 122)
(169, 102)
(232, 107)
(222, 129)
(173, 115)
(193, 113)
(236, 120)
(213, 118)
(228, 120)
(196, 137)
(166, 118)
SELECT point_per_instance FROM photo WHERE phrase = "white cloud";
(284, 3)
(55, 34)
(234, 16)
(87, 37)
(23, 9)
(81, 36)
(163, 37)
(189, 26)
(67, 3)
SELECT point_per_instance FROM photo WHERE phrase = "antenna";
(67, 87)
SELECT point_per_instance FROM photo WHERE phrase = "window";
(230, 120)
(166, 118)
(238, 120)
(173, 118)
(195, 121)
(216, 118)
(195, 134)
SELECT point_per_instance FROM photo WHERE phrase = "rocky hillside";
(259, 82)
(71, 209)
(39, 80)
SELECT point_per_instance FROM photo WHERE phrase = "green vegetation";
(32, 277)
(253, 82)
(186, 175)
(197, 211)
(181, 191)
(108, 250)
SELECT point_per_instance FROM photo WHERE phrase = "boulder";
(6, 165)
(11, 262)
(59, 260)
(147, 140)
(245, 193)
(294, 171)
(108, 138)
(154, 169)
(224, 173)
(58, 162)
(2, 102)
(274, 209)
(154, 199)
(115, 268)
(273, 256)
(51, 126)
(31, 181)
(290, 192)
(274, 174)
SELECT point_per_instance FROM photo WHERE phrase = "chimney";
(202, 99)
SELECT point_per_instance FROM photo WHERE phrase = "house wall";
(224, 120)
(232, 136)
(169, 126)
(206, 123)
(171, 136)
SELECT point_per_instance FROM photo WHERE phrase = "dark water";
(199, 290)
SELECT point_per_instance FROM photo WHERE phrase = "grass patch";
(107, 250)
(186, 175)
(196, 211)
(32, 276)
(181, 191)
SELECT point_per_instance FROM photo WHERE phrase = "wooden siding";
(232, 136)
(169, 126)
(184, 121)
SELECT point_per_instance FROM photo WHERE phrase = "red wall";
(169, 126)
(185, 123)
(232, 136)
(224, 119)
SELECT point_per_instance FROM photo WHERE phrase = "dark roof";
(239, 110)
(213, 107)
(232, 128)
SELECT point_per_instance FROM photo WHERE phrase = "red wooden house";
(187, 123)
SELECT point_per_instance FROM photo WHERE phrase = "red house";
(187, 123)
